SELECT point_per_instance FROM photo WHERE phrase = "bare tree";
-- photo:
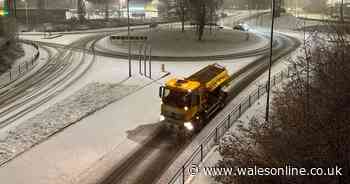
(201, 11)
(341, 9)
(41, 4)
(106, 10)
(181, 6)
(81, 10)
(317, 136)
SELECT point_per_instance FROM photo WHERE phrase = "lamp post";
(26, 7)
(129, 41)
(270, 62)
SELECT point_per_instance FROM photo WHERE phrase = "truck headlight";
(161, 118)
(188, 126)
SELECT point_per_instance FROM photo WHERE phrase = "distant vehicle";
(223, 15)
(283, 10)
(207, 24)
(188, 103)
(153, 25)
(241, 27)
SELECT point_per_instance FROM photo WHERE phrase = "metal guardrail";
(214, 136)
(132, 38)
(16, 72)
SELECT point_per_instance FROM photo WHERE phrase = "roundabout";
(168, 44)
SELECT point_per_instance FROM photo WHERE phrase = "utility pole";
(270, 62)
(342, 11)
(81, 10)
(106, 10)
(129, 41)
(26, 7)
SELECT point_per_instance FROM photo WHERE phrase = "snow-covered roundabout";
(174, 44)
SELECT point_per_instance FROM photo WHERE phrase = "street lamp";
(26, 7)
(270, 61)
(129, 42)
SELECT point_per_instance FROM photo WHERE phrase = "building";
(9, 50)
(145, 9)
(7, 23)
(42, 11)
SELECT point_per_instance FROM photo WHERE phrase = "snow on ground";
(167, 42)
(102, 140)
(71, 36)
(236, 16)
(64, 40)
(81, 31)
(94, 145)
(37, 129)
(67, 38)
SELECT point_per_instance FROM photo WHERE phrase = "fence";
(214, 136)
(17, 71)
(131, 38)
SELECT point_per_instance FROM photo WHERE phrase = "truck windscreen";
(177, 98)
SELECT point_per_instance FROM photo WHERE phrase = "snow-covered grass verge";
(87, 100)
(257, 110)
(166, 42)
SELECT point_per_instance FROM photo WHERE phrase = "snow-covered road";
(97, 143)
(93, 146)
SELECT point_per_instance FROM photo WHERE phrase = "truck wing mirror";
(161, 89)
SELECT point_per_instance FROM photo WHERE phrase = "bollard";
(229, 121)
(150, 64)
(140, 59)
(249, 100)
(145, 62)
(202, 156)
(163, 68)
(140, 64)
(240, 109)
(183, 174)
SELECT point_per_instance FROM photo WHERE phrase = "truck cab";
(187, 103)
(180, 101)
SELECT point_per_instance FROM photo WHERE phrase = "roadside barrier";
(17, 71)
(126, 38)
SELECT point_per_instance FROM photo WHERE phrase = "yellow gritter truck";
(188, 103)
